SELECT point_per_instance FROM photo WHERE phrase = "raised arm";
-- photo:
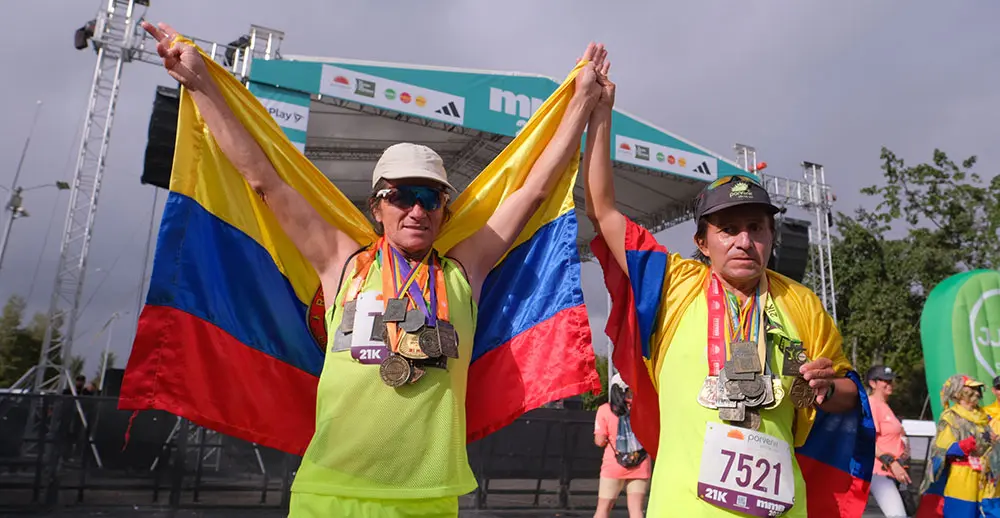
(322, 244)
(598, 177)
(481, 251)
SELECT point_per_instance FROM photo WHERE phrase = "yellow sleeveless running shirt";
(376, 442)
(674, 490)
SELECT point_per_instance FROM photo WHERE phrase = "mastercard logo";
(671, 159)
(421, 101)
(341, 81)
(405, 98)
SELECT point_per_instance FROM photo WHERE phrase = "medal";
(417, 374)
(448, 338)
(736, 413)
(708, 394)
(779, 392)
(395, 371)
(745, 362)
(722, 395)
(409, 347)
(733, 390)
(395, 310)
(750, 421)
(413, 322)
(794, 358)
(430, 342)
(803, 396)
(752, 389)
(347, 317)
(379, 331)
(341, 342)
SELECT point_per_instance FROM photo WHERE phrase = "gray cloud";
(799, 80)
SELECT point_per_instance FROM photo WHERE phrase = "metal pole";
(6, 230)
(107, 347)
(610, 346)
(145, 266)
(27, 142)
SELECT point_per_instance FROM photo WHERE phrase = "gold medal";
(409, 347)
(803, 396)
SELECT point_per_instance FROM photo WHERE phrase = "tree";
(76, 366)
(20, 346)
(96, 381)
(947, 222)
(10, 323)
(591, 401)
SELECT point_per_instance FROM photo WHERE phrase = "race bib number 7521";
(746, 471)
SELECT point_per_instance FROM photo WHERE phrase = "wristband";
(830, 389)
(886, 460)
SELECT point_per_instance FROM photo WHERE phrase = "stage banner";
(289, 108)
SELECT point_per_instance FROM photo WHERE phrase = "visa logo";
(519, 105)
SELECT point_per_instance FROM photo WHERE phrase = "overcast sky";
(819, 81)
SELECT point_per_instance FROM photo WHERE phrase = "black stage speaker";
(113, 382)
(790, 254)
(162, 135)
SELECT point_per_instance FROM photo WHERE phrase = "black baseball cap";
(732, 191)
(880, 372)
(996, 382)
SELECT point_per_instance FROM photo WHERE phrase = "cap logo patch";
(740, 190)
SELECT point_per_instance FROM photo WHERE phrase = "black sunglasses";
(406, 196)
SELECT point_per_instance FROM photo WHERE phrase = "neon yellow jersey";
(373, 441)
(674, 490)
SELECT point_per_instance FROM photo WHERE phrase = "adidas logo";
(450, 110)
(703, 169)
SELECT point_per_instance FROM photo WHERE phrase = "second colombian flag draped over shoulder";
(232, 335)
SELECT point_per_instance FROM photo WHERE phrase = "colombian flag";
(836, 454)
(232, 335)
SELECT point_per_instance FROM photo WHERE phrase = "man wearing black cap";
(993, 409)
(724, 358)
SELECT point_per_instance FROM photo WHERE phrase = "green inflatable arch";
(960, 331)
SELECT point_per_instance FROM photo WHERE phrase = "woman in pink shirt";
(626, 464)
(890, 445)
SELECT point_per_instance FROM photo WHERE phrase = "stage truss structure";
(118, 40)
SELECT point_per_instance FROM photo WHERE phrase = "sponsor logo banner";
(667, 159)
(287, 115)
(392, 95)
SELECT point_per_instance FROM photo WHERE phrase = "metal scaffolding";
(117, 39)
(813, 195)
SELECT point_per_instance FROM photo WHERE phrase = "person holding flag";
(401, 313)
(733, 367)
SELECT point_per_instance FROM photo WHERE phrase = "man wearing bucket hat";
(722, 351)
(399, 313)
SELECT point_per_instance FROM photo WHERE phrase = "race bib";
(365, 348)
(746, 471)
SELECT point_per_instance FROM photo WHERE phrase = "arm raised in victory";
(481, 251)
(323, 245)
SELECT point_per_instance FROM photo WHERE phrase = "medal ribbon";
(401, 269)
(744, 322)
(718, 324)
(421, 276)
